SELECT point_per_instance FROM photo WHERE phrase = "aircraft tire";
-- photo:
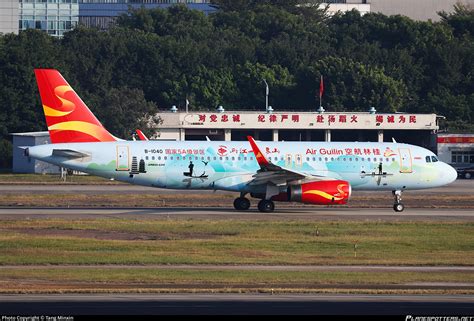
(398, 207)
(266, 206)
(241, 204)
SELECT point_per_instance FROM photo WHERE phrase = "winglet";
(262, 161)
(141, 135)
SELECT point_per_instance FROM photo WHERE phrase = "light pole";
(267, 92)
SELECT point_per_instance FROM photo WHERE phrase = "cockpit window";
(434, 159)
(428, 159)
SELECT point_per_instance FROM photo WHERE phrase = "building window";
(460, 157)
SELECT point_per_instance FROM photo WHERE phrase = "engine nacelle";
(320, 192)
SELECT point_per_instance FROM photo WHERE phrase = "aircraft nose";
(450, 174)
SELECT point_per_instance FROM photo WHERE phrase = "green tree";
(350, 85)
(122, 110)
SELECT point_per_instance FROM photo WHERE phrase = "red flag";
(321, 87)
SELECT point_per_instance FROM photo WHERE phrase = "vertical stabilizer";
(68, 118)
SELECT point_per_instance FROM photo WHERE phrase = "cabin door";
(405, 160)
(123, 155)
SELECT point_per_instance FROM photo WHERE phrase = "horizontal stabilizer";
(68, 153)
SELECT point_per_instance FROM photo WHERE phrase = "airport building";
(418, 129)
(8, 16)
(422, 10)
(24, 164)
(456, 149)
(55, 17)
(102, 13)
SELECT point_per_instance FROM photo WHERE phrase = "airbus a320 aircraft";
(321, 173)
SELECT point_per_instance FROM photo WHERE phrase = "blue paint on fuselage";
(231, 165)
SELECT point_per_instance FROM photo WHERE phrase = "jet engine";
(320, 192)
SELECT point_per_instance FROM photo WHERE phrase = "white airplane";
(321, 173)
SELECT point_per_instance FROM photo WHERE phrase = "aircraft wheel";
(266, 206)
(398, 207)
(241, 204)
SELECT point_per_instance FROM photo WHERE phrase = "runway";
(215, 304)
(314, 213)
(458, 187)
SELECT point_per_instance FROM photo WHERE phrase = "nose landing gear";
(398, 206)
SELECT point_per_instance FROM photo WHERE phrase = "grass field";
(182, 241)
(65, 255)
(53, 179)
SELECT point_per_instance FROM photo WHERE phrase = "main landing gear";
(266, 206)
(242, 204)
(398, 206)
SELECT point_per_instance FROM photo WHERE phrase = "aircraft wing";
(69, 153)
(274, 174)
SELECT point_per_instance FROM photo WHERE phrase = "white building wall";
(343, 7)
(9, 16)
(416, 9)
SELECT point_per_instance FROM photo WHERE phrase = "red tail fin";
(68, 118)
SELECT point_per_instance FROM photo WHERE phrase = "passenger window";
(434, 159)
(428, 159)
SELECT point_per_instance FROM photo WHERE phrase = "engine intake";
(320, 192)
